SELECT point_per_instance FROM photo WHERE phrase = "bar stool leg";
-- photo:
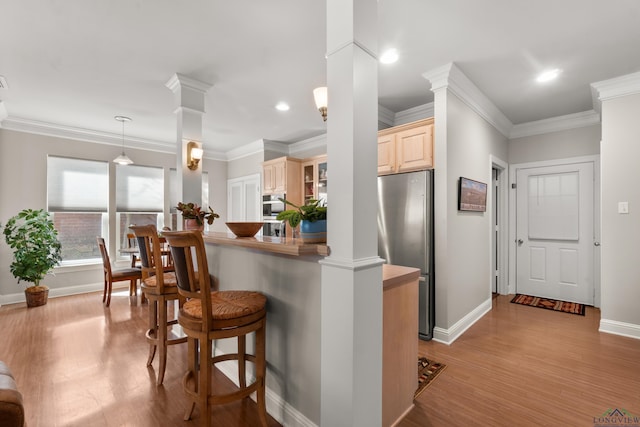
(204, 378)
(191, 374)
(153, 328)
(162, 337)
(242, 368)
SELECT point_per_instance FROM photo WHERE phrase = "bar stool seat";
(159, 287)
(207, 316)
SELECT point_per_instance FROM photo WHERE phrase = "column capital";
(189, 93)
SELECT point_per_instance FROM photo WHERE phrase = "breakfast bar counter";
(288, 272)
(277, 245)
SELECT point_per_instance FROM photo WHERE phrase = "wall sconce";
(194, 155)
(320, 96)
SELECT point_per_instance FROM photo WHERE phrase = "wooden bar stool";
(159, 287)
(207, 316)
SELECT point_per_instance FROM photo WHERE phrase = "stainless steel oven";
(271, 207)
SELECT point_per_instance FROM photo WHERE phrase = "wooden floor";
(526, 366)
(79, 364)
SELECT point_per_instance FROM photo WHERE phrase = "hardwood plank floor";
(525, 366)
(79, 364)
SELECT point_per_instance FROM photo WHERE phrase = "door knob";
(596, 243)
(520, 241)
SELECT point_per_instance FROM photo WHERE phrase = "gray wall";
(619, 155)
(464, 142)
(23, 184)
(565, 144)
(247, 165)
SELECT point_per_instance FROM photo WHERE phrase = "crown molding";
(451, 77)
(386, 116)
(419, 112)
(180, 80)
(278, 147)
(628, 84)
(308, 144)
(555, 124)
(3, 112)
(79, 134)
(245, 150)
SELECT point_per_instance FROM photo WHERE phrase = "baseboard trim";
(277, 407)
(620, 328)
(448, 336)
(62, 292)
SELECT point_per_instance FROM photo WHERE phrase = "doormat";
(550, 304)
(428, 370)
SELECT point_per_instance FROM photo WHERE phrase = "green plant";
(313, 210)
(35, 244)
(193, 211)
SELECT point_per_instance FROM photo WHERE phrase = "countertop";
(394, 275)
(288, 246)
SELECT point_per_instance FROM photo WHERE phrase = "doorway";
(555, 231)
(498, 191)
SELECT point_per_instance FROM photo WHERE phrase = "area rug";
(549, 304)
(428, 370)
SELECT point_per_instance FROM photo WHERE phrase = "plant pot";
(313, 232)
(36, 295)
(192, 224)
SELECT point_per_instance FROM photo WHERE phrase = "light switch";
(623, 207)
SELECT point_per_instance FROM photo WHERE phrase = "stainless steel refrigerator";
(405, 234)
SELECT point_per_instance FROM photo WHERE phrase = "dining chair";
(209, 315)
(132, 275)
(159, 287)
(131, 244)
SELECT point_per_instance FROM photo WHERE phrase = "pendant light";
(122, 159)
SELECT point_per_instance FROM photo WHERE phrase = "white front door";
(555, 232)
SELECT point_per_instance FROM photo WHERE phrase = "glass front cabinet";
(314, 176)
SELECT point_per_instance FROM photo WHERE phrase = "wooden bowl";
(244, 229)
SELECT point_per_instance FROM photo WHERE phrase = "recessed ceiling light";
(548, 75)
(389, 57)
(282, 106)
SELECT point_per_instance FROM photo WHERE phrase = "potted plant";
(36, 250)
(194, 217)
(312, 217)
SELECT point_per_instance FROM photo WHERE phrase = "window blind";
(77, 185)
(139, 189)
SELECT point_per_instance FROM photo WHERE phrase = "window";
(173, 198)
(77, 198)
(139, 198)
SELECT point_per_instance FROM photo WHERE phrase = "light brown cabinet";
(406, 148)
(282, 176)
(314, 178)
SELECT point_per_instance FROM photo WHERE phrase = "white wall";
(620, 151)
(584, 141)
(464, 144)
(23, 184)
(247, 165)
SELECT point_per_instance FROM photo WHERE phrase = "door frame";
(513, 170)
(502, 239)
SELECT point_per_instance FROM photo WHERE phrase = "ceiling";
(76, 64)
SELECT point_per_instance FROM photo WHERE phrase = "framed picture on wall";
(472, 195)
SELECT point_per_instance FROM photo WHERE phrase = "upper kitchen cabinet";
(282, 176)
(314, 177)
(406, 148)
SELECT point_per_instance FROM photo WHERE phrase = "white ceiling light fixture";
(389, 57)
(282, 106)
(122, 159)
(548, 75)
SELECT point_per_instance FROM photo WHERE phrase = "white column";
(189, 95)
(351, 336)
